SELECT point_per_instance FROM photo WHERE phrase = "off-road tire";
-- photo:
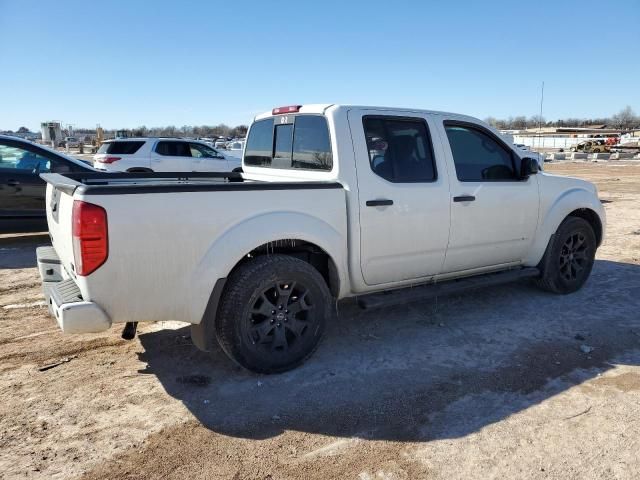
(261, 328)
(564, 271)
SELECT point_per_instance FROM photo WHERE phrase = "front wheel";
(569, 258)
(273, 313)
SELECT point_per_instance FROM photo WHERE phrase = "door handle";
(13, 183)
(379, 203)
(464, 198)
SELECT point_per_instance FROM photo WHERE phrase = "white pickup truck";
(386, 205)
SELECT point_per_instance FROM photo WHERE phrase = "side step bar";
(432, 290)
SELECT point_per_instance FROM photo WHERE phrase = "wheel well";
(593, 219)
(307, 251)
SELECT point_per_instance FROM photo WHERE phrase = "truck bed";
(172, 236)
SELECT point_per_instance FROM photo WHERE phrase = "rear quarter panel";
(167, 250)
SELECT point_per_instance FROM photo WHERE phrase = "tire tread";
(233, 297)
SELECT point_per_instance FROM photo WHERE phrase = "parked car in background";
(524, 150)
(235, 148)
(591, 146)
(71, 142)
(22, 191)
(162, 155)
(389, 205)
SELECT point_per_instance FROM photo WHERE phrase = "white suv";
(162, 155)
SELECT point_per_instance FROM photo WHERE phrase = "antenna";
(540, 117)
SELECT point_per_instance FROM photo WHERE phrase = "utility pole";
(540, 117)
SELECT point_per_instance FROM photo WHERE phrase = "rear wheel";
(569, 258)
(273, 313)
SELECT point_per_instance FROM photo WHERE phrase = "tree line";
(625, 119)
(206, 131)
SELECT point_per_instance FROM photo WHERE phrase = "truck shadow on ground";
(436, 369)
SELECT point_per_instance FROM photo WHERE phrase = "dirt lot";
(485, 385)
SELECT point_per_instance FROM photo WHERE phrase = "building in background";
(52, 133)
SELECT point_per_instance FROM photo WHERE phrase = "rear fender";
(231, 247)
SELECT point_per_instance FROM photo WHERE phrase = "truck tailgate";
(59, 219)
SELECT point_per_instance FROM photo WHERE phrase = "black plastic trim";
(379, 203)
(203, 334)
(137, 189)
(93, 175)
(447, 287)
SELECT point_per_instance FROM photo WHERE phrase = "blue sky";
(131, 63)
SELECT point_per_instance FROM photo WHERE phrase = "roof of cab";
(321, 108)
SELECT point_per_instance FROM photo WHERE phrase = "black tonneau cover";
(106, 183)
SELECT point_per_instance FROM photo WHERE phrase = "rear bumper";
(71, 311)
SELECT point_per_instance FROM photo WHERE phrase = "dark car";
(22, 191)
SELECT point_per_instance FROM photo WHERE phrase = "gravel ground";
(492, 384)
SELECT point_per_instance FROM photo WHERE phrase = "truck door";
(403, 194)
(494, 213)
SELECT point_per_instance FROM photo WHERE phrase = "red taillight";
(90, 238)
(289, 109)
(110, 159)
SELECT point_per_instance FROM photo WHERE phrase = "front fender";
(553, 213)
(228, 249)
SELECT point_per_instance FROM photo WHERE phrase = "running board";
(431, 290)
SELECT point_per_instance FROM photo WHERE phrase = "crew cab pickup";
(335, 201)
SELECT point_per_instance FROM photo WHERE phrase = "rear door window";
(302, 142)
(14, 158)
(173, 149)
(28, 161)
(120, 148)
(400, 149)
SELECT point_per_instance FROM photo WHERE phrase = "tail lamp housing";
(110, 159)
(90, 237)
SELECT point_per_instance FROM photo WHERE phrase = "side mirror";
(528, 167)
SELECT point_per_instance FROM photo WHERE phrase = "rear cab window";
(121, 148)
(293, 142)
